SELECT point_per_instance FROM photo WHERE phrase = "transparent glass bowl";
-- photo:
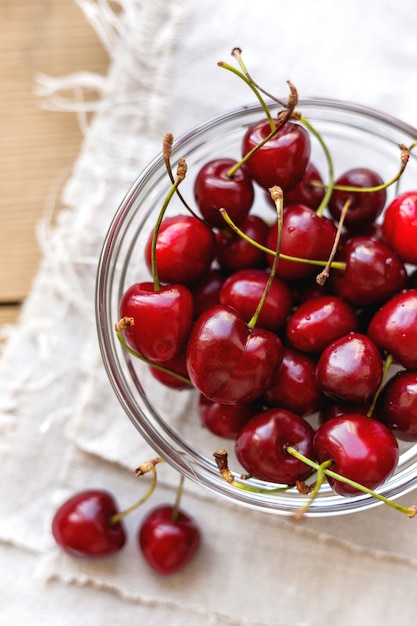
(167, 419)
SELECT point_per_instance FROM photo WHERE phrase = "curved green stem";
(387, 366)
(117, 517)
(221, 458)
(314, 493)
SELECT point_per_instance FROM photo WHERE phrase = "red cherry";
(184, 251)
(228, 362)
(397, 405)
(282, 160)
(214, 190)
(169, 542)
(361, 449)
(399, 226)
(177, 365)
(261, 446)
(234, 253)
(243, 291)
(318, 322)
(393, 328)
(364, 206)
(206, 292)
(306, 193)
(162, 319)
(350, 369)
(82, 525)
(295, 386)
(224, 420)
(373, 272)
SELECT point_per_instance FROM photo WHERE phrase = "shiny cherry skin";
(397, 405)
(228, 362)
(361, 448)
(234, 253)
(261, 446)
(243, 291)
(214, 190)
(82, 525)
(365, 207)
(177, 365)
(224, 420)
(393, 328)
(168, 542)
(295, 386)
(305, 192)
(282, 160)
(399, 226)
(304, 235)
(318, 322)
(350, 369)
(185, 249)
(373, 272)
(162, 319)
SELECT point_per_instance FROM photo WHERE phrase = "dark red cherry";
(350, 369)
(360, 447)
(397, 405)
(282, 160)
(373, 272)
(214, 190)
(399, 226)
(334, 408)
(162, 319)
(168, 541)
(234, 253)
(295, 386)
(243, 291)
(206, 292)
(304, 235)
(178, 366)
(228, 362)
(82, 526)
(393, 328)
(185, 249)
(261, 446)
(318, 322)
(365, 206)
(224, 420)
(305, 192)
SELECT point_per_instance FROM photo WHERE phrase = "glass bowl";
(168, 419)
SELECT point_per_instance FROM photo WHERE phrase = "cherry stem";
(411, 511)
(278, 198)
(181, 173)
(324, 275)
(330, 186)
(335, 264)
(180, 490)
(117, 517)
(126, 322)
(314, 492)
(221, 458)
(167, 143)
(387, 365)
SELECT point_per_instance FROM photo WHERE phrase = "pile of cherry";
(310, 312)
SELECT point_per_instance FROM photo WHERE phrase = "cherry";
(397, 405)
(224, 420)
(227, 361)
(318, 322)
(169, 539)
(261, 446)
(282, 160)
(399, 226)
(350, 369)
(305, 192)
(305, 235)
(162, 320)
(82, 526)
(185, 248)
(364, 207)
(176, 365)
(235, 253)
(360, 448)
(214, 189)
(393, 328)
(243, 290)
(334, 408)
(295, 386)
(373, 272)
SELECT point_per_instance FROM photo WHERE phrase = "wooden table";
(51, 37)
